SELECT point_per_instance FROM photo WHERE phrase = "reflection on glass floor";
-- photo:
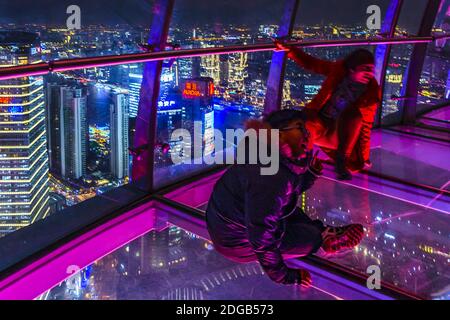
(410, 243)
(425, 132)
(439, 118)
(440, 114)
(174, 264)
(411, 158)
(444, 124)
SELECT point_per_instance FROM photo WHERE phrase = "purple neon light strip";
(195, 194)
(38, 277)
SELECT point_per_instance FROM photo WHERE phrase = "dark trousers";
(302, 236)
(339, 134)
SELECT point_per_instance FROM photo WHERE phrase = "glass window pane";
(91, 28)
(64, 139)
(434, 85)
(301, 85)
(408, 25)
(401, 238)
(337, 19)
(414, 153)
(392, 154)
(216, 93)
(198, 23)
(394, 79)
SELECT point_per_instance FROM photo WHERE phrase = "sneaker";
(340, 238)
(342, 173)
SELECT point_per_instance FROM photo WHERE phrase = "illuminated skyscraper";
(210, 67)
(134, 85)
(224, 67)
(237, 72)
(184, 69)
(169, 78)
(67, 126)
(119, 135)
(197, 100)
(287, 98)
(23, 142)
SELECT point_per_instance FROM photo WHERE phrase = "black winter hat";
(359, 57)
(281, 118)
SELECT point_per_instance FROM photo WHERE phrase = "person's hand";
(305, 278)
(281, 46)
(316, 163)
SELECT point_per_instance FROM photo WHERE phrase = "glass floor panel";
(410, 158)
(174, 264)
(436, 123)
(437, 118)
(410, 243)
(439, 135)
(441, 114)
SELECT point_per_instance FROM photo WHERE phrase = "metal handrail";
(113, 60)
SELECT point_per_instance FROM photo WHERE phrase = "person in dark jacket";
(341, 115)
(252, 217)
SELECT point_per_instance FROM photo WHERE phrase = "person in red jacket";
(341, 115)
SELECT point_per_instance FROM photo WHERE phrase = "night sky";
(201, 12)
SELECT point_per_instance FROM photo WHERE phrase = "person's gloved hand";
(305, 278)
(281, 46)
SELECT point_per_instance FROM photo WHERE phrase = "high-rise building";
(119, 135)
(169, 78)
(196, 67)
(237, 72)
(210, 67)
(224, 70)
(269, 30)
(197, 97)
(134, 86)
(287, 98)
(184, 69)
(68, 128)
(24, 185)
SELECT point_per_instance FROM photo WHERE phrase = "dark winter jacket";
(246, 214)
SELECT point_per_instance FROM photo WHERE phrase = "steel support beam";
(415, 66)
(382, 52)
(274, 92)
(145, 136)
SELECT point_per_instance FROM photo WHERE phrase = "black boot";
(342, 173)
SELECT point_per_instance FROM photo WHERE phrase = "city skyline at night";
(188, 13)
(239, 81)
